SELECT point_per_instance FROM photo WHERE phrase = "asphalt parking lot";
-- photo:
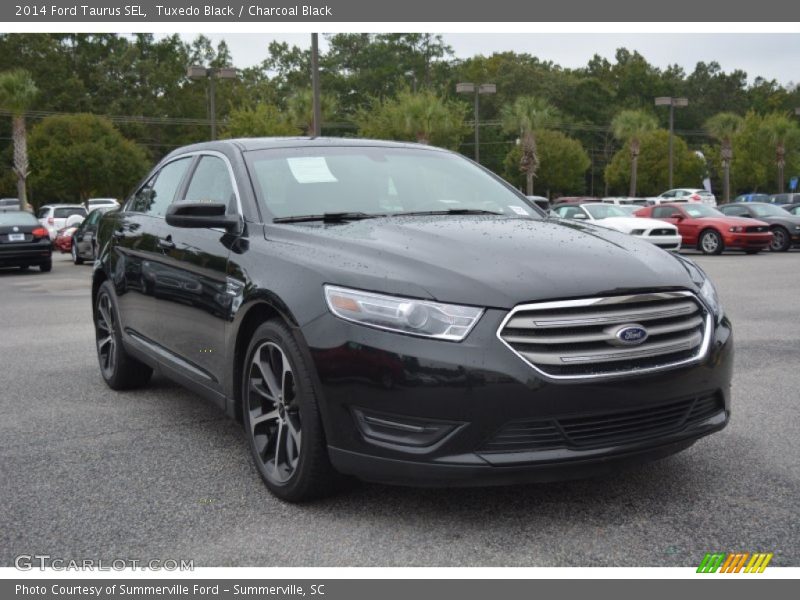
(159, 473)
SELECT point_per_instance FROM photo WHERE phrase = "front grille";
(579, 339)
(662, 232)
(607, 429)
(756, 229)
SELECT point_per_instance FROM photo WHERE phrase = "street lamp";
(315, 93)
(472, 88)
(212, 74)
(672, 103)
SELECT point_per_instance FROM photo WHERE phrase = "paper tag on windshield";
(519, 210)
(310, 169)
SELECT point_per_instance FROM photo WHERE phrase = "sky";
(769, 55)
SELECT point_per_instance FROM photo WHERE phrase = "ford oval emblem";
(631, 335)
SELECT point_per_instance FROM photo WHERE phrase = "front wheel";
(281, 417)
(711, 242)
(119, 369)
(75, 258)
(780, 240)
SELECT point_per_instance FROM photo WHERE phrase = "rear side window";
(63, 213)
(210, 182)
(663, 212)
(158, 193)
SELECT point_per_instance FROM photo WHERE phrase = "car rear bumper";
(27, 254)
(400, 409)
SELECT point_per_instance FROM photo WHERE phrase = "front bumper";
(748, 240)
(477, 388)
(666, 242)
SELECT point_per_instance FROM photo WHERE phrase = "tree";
(562, 171)
(723, 127)
(80, 156)
(17, 93)
(778, 129)
(301, 109)
(423, 117)
(525, 117)
(630, 126)
(262, 121)
(688, 167)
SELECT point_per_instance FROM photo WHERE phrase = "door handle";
(166, 243)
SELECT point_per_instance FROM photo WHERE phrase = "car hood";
(484, 261)
(787, 220)
(629, 223)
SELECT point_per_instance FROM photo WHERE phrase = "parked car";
(540, 201)
(63, 241)
(625, 201)
(686, 194)
(93, 203)
(784, 199)
(711, 231)
(24, 242)
(753, 197)
(9, 204)
(575, 199)
(530, 348)
(656, 232)
(84, 239)
(793, 209)
(785, 228)
(54, 216)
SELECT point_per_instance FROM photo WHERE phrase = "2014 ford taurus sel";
(397, 313)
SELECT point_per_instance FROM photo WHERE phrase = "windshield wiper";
(328, 217)
(449, 211)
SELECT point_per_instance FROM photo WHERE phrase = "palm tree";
(526, 116)
(301, 109)
(723, 127)
(423, 114)
(778, 127)
(17, 92)
(629, 126)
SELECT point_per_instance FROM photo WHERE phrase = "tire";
(281, 417)
(710, 242)
(781, 240)
(46, 267)
(119, 369)
(75, 258)
(752, 251)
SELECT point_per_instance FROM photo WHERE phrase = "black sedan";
(24, 242)
(785, 227)
(398, 313)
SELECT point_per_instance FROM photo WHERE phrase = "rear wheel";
(780, 240)
(46, 267)
(75, 258)
(119, 369)
(711, 242)
(281, 417)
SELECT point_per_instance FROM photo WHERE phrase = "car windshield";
(768, 210)
(604, 211)
(697, 210)
(374, 180)
(17, 218)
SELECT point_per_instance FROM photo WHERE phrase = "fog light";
(411, 434)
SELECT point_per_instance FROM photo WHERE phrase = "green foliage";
(75, 157)
(301, 109)
(562, 168)
(653, 165)
(17, 91)
(632, 125)
(723, 126)
(420, 117)
(528, 114)
(264, 120)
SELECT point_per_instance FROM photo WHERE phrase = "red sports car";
(709, 230)
(63, 239)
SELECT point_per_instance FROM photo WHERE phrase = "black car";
(84, 242)
(398, 313)
(785, 227)
(24, 242)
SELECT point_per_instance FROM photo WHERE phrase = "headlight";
(404, 315)
(737, 229)
(709, 294)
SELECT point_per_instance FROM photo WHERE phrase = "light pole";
(317, 129)
(212, 74)
(672, 103)
(472, 88)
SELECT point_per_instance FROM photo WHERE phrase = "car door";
(83, 238)
(136, 231)
(190, 279)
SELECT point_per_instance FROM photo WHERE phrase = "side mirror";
(677, 216)
(202, 215)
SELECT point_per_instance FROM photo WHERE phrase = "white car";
(662, 234)
(685, 195)
(93, 203)
(54, 216)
